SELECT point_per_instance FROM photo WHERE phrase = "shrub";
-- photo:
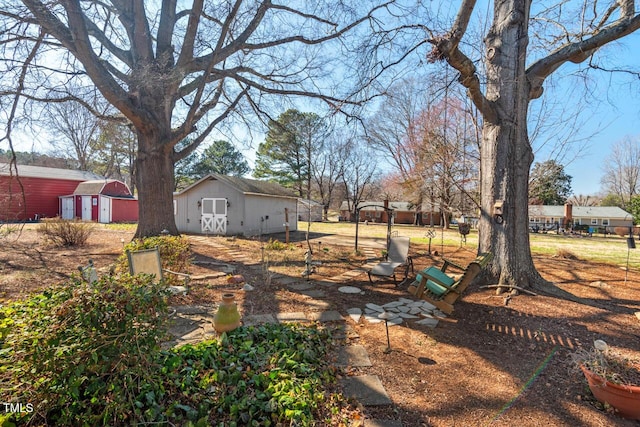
(276, 245)
(63, 232)
(84, 354)
(175, 254)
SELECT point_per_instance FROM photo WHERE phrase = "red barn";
(35, 192)
(102, 200)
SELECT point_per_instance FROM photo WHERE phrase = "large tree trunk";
(506, 154)
(155, 181)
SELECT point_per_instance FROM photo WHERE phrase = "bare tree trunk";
(155, 177)
(506, 154)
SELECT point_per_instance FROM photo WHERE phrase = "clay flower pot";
(227, 317)
(624, 398)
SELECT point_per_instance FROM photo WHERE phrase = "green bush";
(63, 232)
(84, 354)
(175, 254)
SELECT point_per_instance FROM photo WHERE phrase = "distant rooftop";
(44, 172)
(579, 211)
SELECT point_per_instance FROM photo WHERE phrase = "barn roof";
(246, 185)
(88, 188)
(50, 173)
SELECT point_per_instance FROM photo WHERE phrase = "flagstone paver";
(297, 316)
(367, 389)
(326, 316)
(353, 355)
(355, 313)
(258, 319)
(314, 293)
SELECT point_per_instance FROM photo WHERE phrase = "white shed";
(228, 205)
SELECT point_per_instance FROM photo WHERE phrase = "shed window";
(577, 221)
(605, 221)
(594, 221)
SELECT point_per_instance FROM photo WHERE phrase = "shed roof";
(89, 188)
(51, 173)
(246, 185)
(579, 212)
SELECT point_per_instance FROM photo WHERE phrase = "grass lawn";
(611, 249)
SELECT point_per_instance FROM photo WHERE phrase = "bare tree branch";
(579, 51)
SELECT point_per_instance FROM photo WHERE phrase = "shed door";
(86, 208)
(105, 210)
(67, 207)
(214, 216)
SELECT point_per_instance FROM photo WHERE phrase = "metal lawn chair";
(397, 257)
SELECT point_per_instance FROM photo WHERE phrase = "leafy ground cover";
(91, 355)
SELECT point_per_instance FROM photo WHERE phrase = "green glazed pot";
(227, 317)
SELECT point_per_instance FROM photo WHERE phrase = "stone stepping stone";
(395, 321)
(428, 306)
(288, 280)
(366, 389)
(372, 318)
(392, 304)
(353, 355)
(326, 316)
(430, 322)
(375, 307)
(301, 286)
(314, 293)
(190, 310)
(407, 316)
(258, 319)
(208, 276)
(355, 314)
(297, 316)
(382, 423)
(327, 282)
(349, 290)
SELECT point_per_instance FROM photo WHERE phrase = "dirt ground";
(493, 362)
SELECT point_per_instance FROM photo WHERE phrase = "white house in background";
(228, 205)
(597, 217)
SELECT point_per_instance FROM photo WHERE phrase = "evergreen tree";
(287, 152)
(549, 184)
(221, 157)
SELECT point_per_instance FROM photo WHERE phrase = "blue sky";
(614, 117)
(609, 114)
